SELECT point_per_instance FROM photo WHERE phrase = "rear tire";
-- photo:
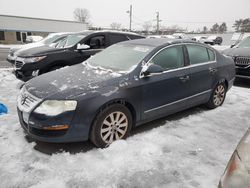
(218, 96)
(111, 124)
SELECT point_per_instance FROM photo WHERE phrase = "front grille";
(242, 61)
(18, 64)
(26, 102)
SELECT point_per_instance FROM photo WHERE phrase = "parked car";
(241, 55)
(74, 49)
(199, 38)
(212, 40)
(33, 38)
(126, 85)
(52, 38)
(237, 172)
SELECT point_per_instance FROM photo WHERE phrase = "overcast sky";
(190, 14)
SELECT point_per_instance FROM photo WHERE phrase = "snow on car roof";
(157, 41)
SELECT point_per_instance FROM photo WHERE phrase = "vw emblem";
(23, 99)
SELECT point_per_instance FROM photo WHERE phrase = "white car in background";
(33, 38)
(213, 39)
(199, 38)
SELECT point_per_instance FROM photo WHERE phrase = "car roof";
(88, 32)
(155, 42)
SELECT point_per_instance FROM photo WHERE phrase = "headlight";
(55, 107)
(33, 59)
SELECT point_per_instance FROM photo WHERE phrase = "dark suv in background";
(74, 49)
(241, 55)
(51, 39)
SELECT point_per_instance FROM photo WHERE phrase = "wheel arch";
(121, 101)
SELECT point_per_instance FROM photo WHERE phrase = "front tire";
(111, 124)
(218, 96)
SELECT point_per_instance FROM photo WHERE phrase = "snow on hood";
(26, 46)
(70, 81)
(237, 52)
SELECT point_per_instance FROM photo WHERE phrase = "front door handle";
(184, 78)
(212, 70)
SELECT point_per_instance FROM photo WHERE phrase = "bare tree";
(215, 28)
(205, 29)
(82, 15)
(223, 27)
(115, 26)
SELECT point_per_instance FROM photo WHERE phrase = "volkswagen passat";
(124, 86)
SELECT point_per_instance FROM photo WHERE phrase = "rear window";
(132, 37)
(115, 38)
(197, 54)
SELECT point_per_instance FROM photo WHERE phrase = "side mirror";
(151, 69)
(82, 46)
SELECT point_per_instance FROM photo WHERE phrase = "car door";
(164, 93)
(202, 72)
(97, 43)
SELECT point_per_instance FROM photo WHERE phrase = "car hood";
(237, 52)
(38, 50)
(26, 46)
(72, 81)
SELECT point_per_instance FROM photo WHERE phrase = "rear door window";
(115, 38)
(197, 54)
(169, 58)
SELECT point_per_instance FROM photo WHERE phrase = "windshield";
(69, 41)
(245, 43)
(51, 39)
(120, 57)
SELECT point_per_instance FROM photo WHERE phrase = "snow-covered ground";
(190, 149)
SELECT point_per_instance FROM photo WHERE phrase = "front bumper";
(35, 123)
(243, 72)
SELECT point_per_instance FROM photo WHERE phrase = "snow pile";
(189, 149)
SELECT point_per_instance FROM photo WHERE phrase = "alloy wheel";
(219, 95)
(114, 127)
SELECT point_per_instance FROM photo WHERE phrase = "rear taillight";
(235, 175)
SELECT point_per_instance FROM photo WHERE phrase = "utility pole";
(130, 17)
(158, 22)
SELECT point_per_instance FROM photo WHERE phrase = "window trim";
(186, 65)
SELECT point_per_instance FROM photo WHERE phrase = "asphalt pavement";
(3, 55)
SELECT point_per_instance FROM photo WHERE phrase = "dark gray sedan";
(124, 86)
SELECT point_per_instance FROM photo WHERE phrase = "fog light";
(56, 127)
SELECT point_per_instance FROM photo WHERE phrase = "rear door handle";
(212, 70)
(184, 78)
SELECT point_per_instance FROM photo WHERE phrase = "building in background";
(15, 29)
